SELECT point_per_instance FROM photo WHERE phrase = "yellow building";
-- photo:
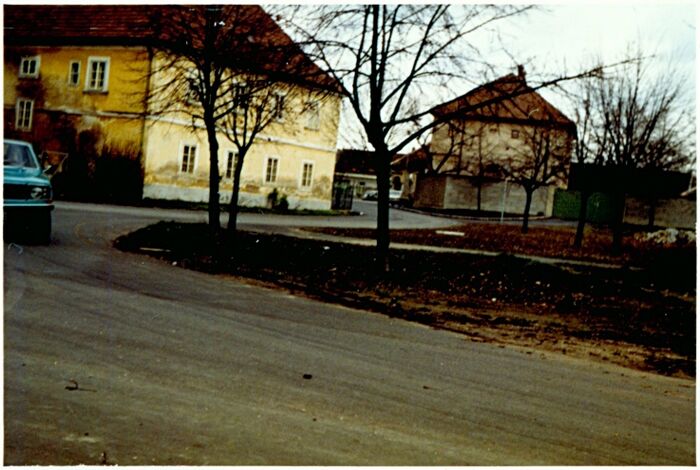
(77, 84)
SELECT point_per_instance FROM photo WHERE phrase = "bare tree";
(259, 102)
(389, 59)
(191, 51)
(637, 122)
(542, 160)
(385, 55)
(588, 149)
(228, 68)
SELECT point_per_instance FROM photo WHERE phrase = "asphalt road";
(122, 359)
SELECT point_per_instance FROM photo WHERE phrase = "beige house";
(79, 74)
(500, 135)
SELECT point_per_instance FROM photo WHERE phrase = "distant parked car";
(28, 196)
(370, 195)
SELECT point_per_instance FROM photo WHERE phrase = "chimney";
(521, 72)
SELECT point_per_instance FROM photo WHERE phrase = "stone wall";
(460, 193)
(430, 192)
(676, 213)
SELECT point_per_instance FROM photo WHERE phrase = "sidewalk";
(301, 233)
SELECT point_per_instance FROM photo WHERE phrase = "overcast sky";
(581, 29)
(558, 37)
(572, 34)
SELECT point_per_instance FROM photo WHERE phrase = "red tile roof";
(510, 98)
(255, 32)
(77, 24)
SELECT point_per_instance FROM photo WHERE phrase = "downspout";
(147, 99)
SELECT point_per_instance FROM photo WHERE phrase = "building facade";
(496, 136)
(78, 80)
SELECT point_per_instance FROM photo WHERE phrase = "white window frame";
(20, 114)
(77, 73)
(267, 177)
(190, 170)
(36, 59)
(313, 118)
(92, 60)
(230, 164)
(304, 164)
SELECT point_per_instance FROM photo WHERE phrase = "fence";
(342, 195)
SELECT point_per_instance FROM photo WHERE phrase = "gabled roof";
(508, 98)
(131, 25)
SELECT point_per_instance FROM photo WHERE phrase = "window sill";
(96, 92)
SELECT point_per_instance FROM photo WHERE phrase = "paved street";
(122, 359)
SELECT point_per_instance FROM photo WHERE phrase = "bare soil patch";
(642, 317)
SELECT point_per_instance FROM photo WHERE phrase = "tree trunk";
(233, 204)
(652, 212)
(214, 209)
(582, 214)
(382, 165)
(618, 223)
(526, 212)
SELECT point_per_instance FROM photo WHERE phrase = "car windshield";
(19, 155)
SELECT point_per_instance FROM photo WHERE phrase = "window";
(23, 114)
(240, 96)
(231, 161)
(189, 155)
(493, 129)
(279, 107)
(271, 170)
(515, 133)
(451, 131)
(97, 75)
(306, 174)
(74, 73)
(313, 119)
(29, 67)
(192, 89)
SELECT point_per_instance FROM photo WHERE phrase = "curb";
(468, 217)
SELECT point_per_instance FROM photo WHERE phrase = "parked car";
(28, 196)
(370, 195)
